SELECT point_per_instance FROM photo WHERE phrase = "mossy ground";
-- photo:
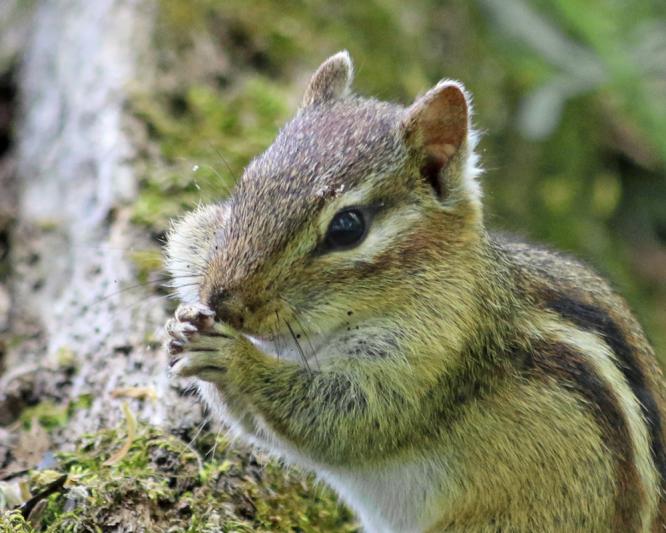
(154, 481)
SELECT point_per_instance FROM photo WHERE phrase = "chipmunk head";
(353, 212)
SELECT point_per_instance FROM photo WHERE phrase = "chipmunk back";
(346, 309)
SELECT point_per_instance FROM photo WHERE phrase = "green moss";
(204, 142)
(47, 414)
(51, 415)
(13, 522)
(162, 484)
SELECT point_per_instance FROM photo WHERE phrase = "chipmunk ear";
(332, 80)
(437, 127)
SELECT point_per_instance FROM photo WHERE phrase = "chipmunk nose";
(226, 310)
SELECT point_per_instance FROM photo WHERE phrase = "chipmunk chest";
(403, 496)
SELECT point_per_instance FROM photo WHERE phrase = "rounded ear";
(332, 80)
(437, 127)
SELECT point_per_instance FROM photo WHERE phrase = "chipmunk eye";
(347, 229)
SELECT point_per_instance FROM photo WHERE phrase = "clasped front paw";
(196, 343)
(184, 327)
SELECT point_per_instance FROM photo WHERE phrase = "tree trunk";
(85, 327)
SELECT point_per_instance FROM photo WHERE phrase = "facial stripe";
(595, 319)
(384, 231)
(557, 359)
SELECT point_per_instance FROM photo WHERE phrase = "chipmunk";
(346, 310)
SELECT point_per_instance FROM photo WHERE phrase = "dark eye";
(347, 229)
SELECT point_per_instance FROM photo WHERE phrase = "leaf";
(131, 432)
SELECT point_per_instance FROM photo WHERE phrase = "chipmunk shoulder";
(346, 309)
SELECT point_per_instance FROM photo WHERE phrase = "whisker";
(137, 286)
(276, 336)
(128, 250)
(205, 421)
(307, 338)
(222, 182)
(181, 276)
(178, 275)
(233, 175)
(106, 297)
(294, 314)
(197, 177)
(188, 285)
(159, 299)
(298, 346)
(196, 434)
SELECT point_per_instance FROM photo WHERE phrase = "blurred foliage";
(206, 137)
(569, 95)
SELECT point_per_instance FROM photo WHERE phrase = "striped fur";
(596, 320)
(583, 364)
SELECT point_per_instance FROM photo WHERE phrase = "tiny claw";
(174, 347)
(199, 315)
(187, 313)
(188, 327)
(207, 311)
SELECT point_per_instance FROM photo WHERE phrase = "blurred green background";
(570, 95)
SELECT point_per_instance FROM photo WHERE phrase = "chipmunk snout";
(227, 308)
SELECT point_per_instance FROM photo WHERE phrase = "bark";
(79, 322)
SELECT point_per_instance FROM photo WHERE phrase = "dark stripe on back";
(596, 320)
(571, 370)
